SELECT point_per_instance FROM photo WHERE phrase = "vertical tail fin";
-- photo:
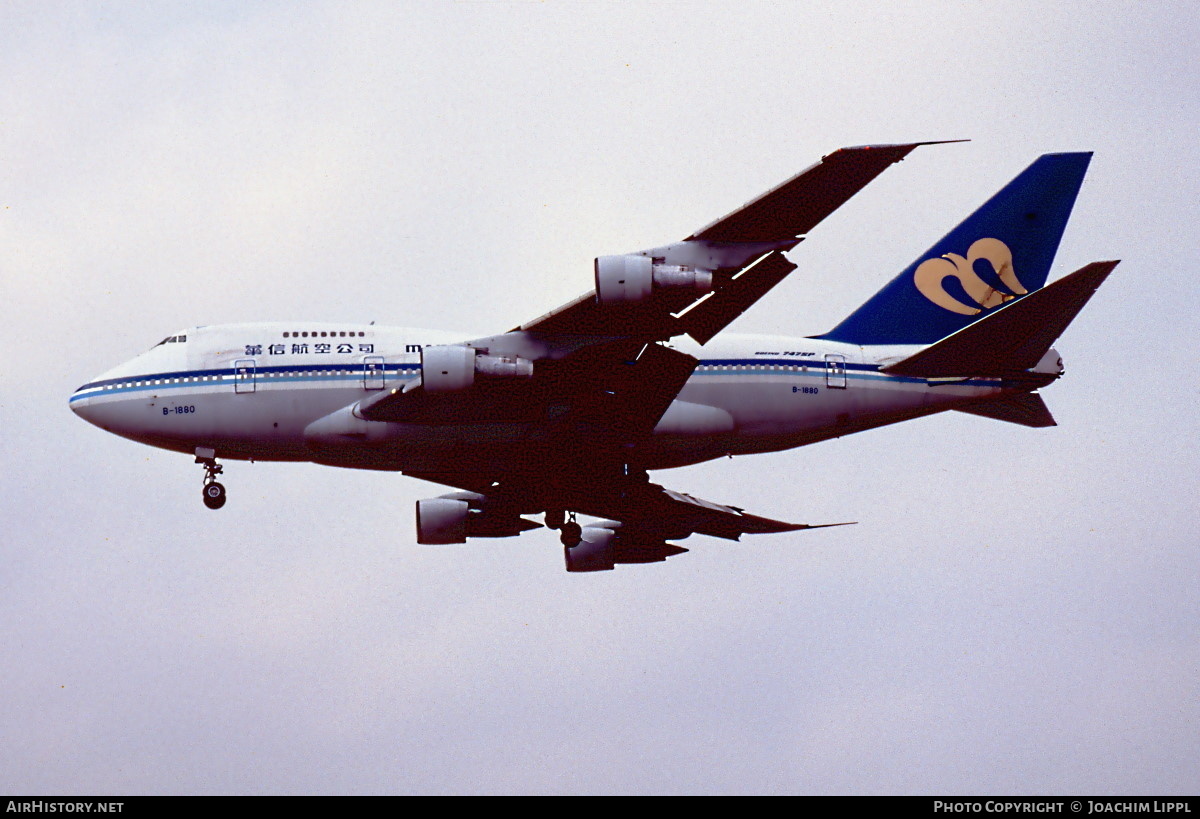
(999, 253)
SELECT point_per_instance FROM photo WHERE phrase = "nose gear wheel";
(214, 492)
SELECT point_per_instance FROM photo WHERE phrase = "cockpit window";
(171, 340)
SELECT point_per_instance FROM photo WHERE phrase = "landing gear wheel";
(555, 518)
(570, 534)
(214, 495)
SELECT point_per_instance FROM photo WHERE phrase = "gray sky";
(1016, 611)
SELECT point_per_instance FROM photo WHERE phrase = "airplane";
(567, 414)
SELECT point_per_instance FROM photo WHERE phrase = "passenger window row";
(324, 334)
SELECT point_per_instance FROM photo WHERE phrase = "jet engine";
(632, 278)
(455, 517)
(453, 367)
(595, 551)
(604, 545)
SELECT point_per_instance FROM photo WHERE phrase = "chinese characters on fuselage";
(304, 349)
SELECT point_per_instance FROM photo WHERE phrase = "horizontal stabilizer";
(1014, 338)
(1027, 409)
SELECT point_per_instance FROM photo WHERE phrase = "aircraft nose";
(78, 403)
(100, 401)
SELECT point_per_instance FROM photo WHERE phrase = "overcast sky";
(1016, 612)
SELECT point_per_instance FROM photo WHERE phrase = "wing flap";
(708, 317)
(650, 510)
(671, 515)
(632, 398)
(718, 520)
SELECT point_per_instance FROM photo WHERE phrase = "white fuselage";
(260, 392)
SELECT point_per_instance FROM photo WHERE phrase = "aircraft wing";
(643, 510)
(655, 511)
(585, 347)
(796, 206)
(659, 515)
(759, 231)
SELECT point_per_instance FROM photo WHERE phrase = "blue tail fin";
(1000, 252)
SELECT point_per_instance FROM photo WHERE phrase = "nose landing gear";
(214, 493)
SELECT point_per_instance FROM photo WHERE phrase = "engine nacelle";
(441, 521)
(503, 366)
(455, 517)
(595, 552)
(603, 546)
(452, 367)
(632, 278)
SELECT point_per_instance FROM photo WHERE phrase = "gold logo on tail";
(932, 272)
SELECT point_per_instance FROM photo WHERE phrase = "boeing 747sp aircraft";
(566, 414)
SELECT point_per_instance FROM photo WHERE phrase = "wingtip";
(901, 145)
(799, 527)
(1099, 270)
(895, 152)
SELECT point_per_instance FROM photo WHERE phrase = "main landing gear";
(214, 493)
(569, 532)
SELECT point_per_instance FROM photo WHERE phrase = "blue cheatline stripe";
(298, 368)
(356, 370)
(190, 378)
(296, 373)
(821, 373)
(807, 361)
